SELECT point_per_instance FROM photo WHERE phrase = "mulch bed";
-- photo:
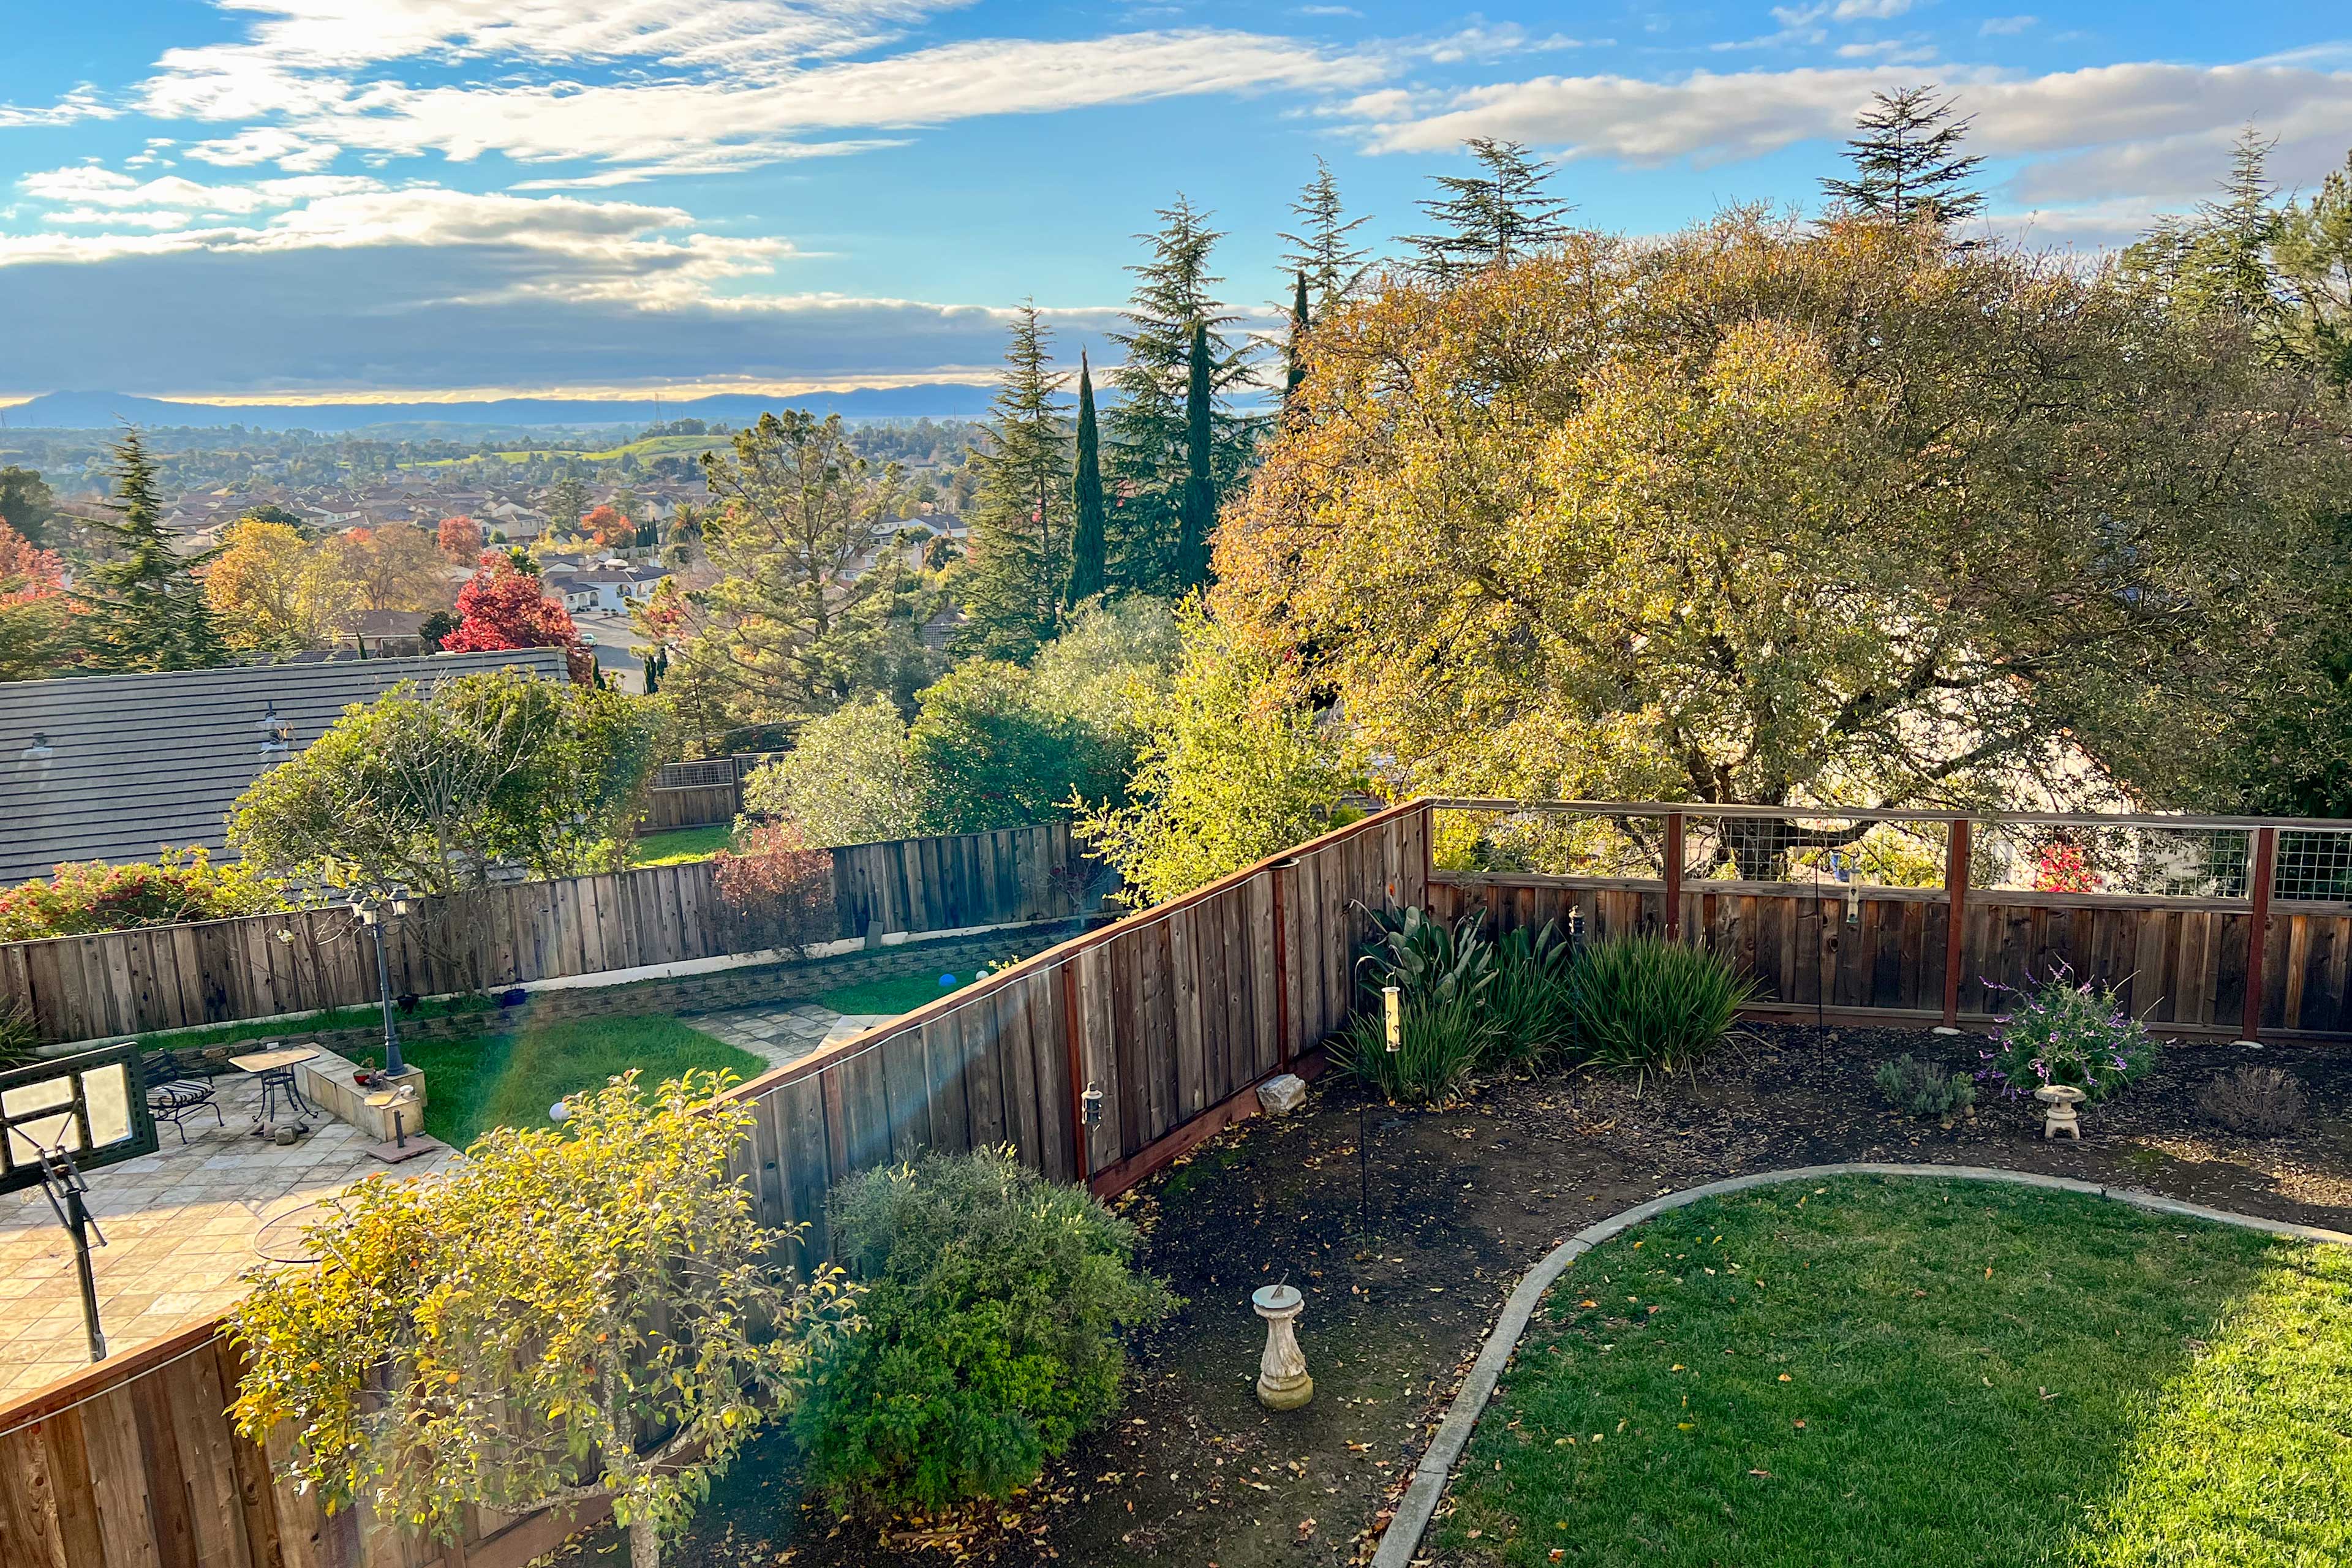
(1407, 1239)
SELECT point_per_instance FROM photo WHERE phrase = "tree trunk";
(645, 1546)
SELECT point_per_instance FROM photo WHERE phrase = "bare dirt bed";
(1406, 1241)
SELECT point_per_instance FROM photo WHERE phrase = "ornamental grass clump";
(994, 1305)
(2062, 1031)
(1528, 1000)
(1649, 1005)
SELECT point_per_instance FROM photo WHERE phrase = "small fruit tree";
(568, 1316)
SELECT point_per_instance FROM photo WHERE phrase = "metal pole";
(393, 1065)
(1955, 902)
(77, 1221)
(2258, 928)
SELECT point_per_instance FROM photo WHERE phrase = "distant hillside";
(100, 410)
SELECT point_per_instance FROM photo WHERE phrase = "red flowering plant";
(777, 887)
(504, 606)
(84, 896)
(2062, 868)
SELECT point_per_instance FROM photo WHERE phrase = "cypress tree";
(1089, 545)
(1294, 355)
(1907, 161)
(147, 607)
(1200, 514)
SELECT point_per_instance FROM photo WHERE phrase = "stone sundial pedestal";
(1282, 1380)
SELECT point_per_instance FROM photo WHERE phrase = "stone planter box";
(327, 1084)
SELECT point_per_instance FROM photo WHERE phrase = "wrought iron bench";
(178, 1089)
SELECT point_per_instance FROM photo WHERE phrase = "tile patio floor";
(784, 1033)
(180, 1227)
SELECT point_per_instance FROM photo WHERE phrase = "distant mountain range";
(101, 410)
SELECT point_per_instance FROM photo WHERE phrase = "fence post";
(1281, 960)
(1673, 876)
(1074, 1053)
(1956, 904)
(2258, 930)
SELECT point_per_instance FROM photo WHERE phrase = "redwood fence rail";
(259, 966)
(1104, 1057)
(1174, 1015)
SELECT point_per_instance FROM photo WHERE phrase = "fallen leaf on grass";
(1766, 1474)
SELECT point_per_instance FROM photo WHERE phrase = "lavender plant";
(2062, 1030)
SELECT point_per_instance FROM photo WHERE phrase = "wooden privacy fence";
(258, 966)
(1943, 954)
(1174, 1015)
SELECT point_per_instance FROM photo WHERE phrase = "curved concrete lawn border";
(1415, 1509)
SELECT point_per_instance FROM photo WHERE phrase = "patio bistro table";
(275, 1070)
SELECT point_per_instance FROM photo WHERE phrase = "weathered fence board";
(2180, 963)
(169, 977)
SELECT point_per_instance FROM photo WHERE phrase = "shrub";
(1653, 1005)
(777, 887)
(1925, 1088)
(2261, 1102)
(846, 780)
(1528, 1000)
(1441, 1044)
(84, 896)
(2063, 1032)
(995, 1302)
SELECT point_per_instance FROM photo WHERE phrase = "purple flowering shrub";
(2060, 1031)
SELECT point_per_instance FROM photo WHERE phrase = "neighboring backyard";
(1456, 1204)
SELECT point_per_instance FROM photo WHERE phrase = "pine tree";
(1200, 515)
(1321, 249)
(1089, 563)
(2313, 258)
(2216, 262)
(1908, 160)
(1149, 425)
(1485, 219)
(1295, 351)
(147, 606)
(1020, 536)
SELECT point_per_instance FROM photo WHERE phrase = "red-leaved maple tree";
(503, 607)
(461, 538)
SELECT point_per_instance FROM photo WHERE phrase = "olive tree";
(431, 788)
(566, 1316)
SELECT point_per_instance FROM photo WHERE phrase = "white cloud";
(114, 217)
(1710, 117)
(2005, 27)
(93, 187)
(82, 103)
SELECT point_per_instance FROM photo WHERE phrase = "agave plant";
(1426, 959)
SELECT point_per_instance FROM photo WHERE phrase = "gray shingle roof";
(141, 761)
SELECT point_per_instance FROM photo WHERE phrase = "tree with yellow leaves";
(265, 589)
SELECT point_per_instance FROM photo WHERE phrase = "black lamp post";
(374, 911)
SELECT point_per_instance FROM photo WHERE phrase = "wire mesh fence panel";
(2125, 858)
(1553, 843)
(2314, 864)
(1810, 848)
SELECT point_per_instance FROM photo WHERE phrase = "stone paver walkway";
(180, 1227)
(786, 1033)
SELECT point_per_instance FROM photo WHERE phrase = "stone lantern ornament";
(2061, 1120)
(1282, 1380)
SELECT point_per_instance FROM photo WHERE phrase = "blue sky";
(329, 198)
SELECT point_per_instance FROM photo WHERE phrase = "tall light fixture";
(374, 909)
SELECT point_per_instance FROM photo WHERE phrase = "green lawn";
(1924, 1375)
(485, 1081)
(901, 996)
(677, 845)
(369, 1016)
